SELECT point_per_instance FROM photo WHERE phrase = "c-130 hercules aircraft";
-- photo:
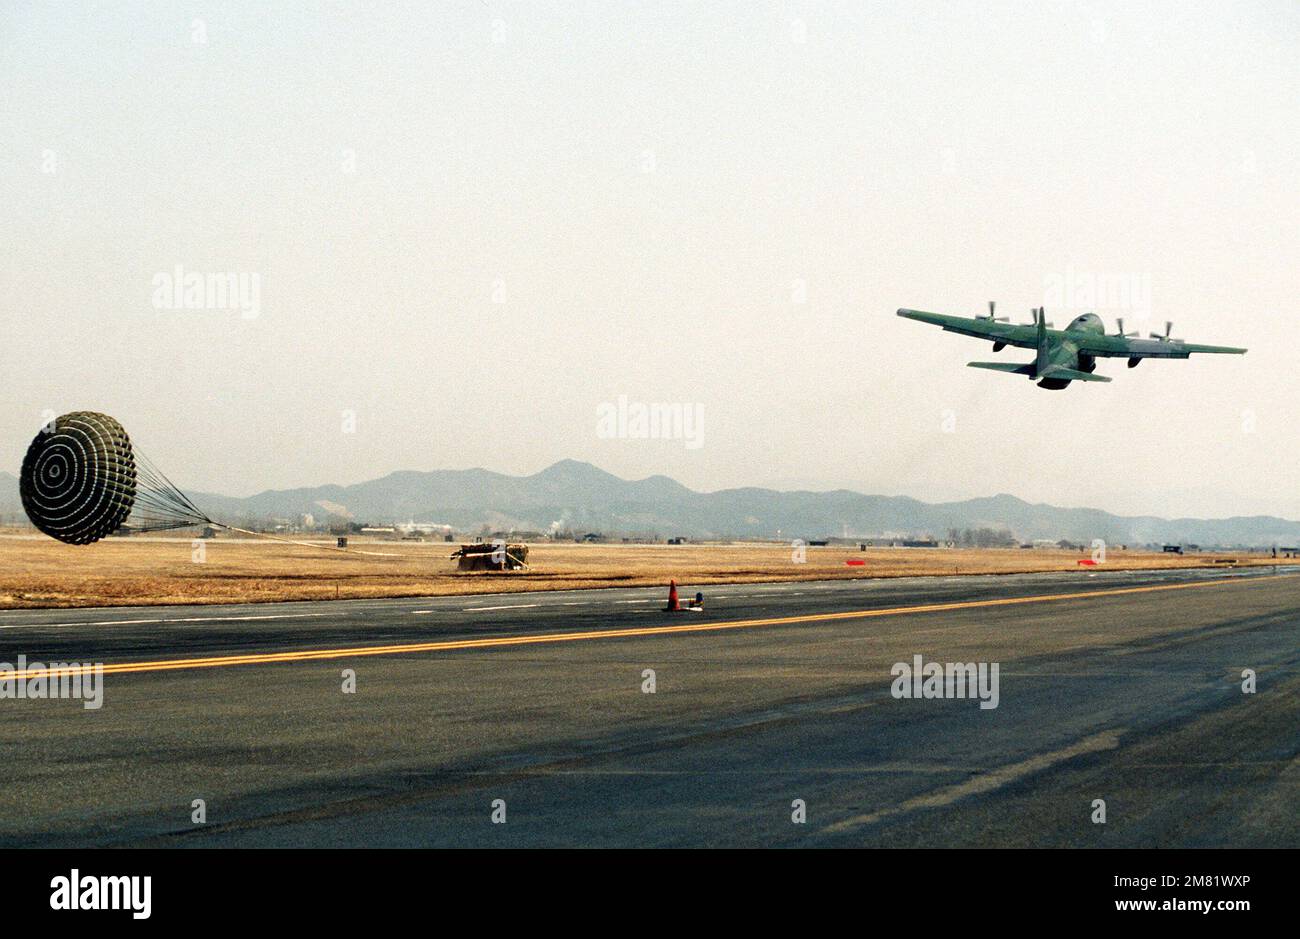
(1064, 355)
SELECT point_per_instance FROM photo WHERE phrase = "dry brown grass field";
(40, 572)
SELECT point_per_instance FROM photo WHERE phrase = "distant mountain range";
(577, 496)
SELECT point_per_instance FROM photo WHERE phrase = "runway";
(1115, 686)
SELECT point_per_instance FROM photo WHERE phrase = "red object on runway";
(856, 562)
(1086, 562)
(673, 606)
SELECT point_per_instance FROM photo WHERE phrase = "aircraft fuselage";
(1066, 352)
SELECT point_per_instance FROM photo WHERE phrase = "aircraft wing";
(1120, 347)
(1026, 337)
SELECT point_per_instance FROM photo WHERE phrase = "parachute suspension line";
(308, 544)
(167, 490)
(166, 507)
(160, 505)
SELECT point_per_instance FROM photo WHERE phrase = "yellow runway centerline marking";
(451, 645)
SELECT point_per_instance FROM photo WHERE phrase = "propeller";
(1121, 334)
(1037, 314)
(1169, 327)
(991, 318)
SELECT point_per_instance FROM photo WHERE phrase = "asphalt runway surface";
(773, 704)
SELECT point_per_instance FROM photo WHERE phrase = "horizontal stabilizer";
(1011, 367)
(1070, 374)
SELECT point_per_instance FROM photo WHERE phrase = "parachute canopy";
(81, 480)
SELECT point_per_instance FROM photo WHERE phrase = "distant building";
(424, 528)
(888, 542)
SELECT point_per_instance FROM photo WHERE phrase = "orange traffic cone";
(672, 597)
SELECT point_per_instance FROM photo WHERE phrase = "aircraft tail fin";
(1043, 360)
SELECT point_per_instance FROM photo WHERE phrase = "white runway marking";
(512, 606)
(136, 622)
(987, 781)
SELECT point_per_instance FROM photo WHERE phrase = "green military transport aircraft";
(1064, 355)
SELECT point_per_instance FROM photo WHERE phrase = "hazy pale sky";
(474, 223)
